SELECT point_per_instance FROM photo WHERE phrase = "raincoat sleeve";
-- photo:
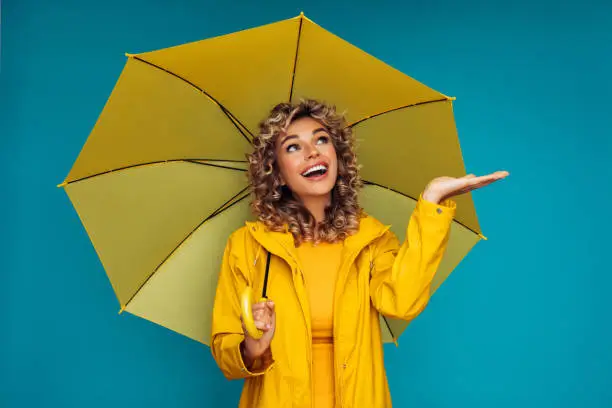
(227, 335)
(402, 274)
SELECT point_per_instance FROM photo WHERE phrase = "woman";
(332, 268)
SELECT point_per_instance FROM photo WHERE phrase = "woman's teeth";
(319, 169)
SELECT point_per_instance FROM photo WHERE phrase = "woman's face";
(307, 159)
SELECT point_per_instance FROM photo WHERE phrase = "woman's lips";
(317, 178)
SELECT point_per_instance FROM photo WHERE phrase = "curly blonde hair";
(275, 205)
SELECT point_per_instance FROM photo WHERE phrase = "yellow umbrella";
(160, 183)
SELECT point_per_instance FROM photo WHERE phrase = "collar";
(282, 243)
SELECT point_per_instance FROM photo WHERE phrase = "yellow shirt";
(320, 264)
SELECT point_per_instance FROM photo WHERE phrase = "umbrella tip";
(122, 309)
(483, 237)
(395, 341)
(127, 54)
(302, 16)
(62, 185)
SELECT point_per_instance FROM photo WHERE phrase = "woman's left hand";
(442, 188)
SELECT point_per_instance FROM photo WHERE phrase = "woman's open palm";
(442, 188)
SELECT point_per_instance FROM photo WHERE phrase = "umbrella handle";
(246, 300)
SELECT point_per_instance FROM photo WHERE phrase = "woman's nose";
(312, 152)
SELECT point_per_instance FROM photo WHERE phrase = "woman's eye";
(292, 148)
(323, 140)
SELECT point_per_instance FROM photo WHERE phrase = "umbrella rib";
(226, 111)
(389, 188)
(226, 206)
(215, 165)
(415, 199)
(214, 213)
(389, 327)
(297, 47)
(396, 109)
(194, 161)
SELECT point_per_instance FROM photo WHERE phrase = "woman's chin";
(318, 191)
(315, 189)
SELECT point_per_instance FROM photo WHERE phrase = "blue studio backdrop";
(524, 321)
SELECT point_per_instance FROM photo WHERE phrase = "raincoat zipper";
(347, 265)
(308, 330)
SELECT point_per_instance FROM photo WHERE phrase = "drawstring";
(265, 285)
(264, 291)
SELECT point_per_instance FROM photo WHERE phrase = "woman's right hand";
(264, 317)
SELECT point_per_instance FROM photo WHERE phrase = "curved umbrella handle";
(246, 300)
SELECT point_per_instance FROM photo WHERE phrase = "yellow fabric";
(377, 276)
(321, 264)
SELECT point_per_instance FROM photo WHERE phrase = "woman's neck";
(317, 205)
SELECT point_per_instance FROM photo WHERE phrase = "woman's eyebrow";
(284, 139)
(288, 137)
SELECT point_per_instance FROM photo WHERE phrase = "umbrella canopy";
(160, 183)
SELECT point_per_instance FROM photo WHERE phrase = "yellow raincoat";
(377, 275)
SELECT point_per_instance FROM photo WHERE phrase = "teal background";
(523, 322)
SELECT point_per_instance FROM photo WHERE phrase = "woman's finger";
(271, 310)
(469, 188)
(269, 316)
(259, 315)
(492, 176)
(258, 306)
(482, 184)
(262, 325)
(477, 180)
(472, 187)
